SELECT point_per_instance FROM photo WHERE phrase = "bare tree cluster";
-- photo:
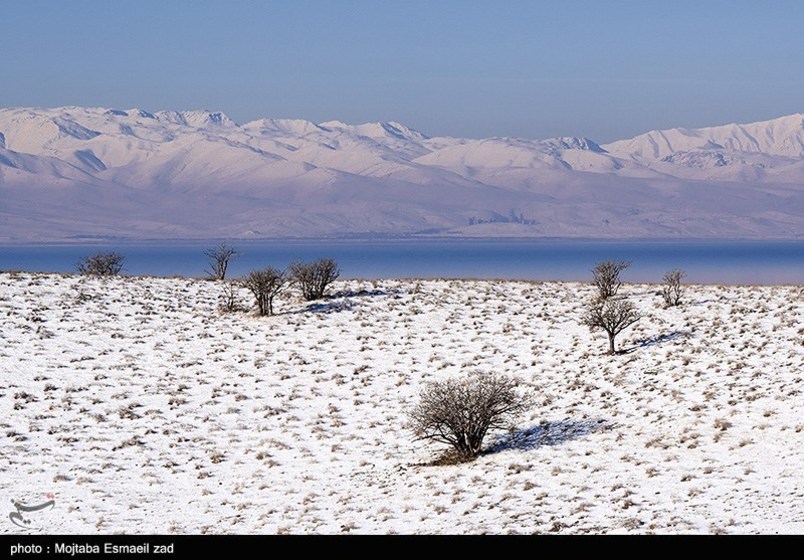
(615, 315)
(604, 311)
(102, 263)
(460, 411)
(313, 278)
(672, 289)
(606, 277)
(219, 258)
(265, 284)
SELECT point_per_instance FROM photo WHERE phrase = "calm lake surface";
(722, 262)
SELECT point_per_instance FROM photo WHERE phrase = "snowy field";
(143, 409)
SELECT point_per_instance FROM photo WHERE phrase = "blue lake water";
(722, 262)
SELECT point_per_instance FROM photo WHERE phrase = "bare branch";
(613, 316)
(219, 258)
(314, 278)
(265, 285)
(606, 276)
(229, 298)
(101, 264)
(460, 412)
(672, 289)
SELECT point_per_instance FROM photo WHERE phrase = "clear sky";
(602, 69)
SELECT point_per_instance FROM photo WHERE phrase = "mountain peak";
(782, 136)
(574, 143)
(287, 126)
(136, 112)
(379, 129)
(198, 119)
(334, 125)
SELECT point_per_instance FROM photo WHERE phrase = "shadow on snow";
(340, 301)
(659, 339)
(363, 293)
(547, 433)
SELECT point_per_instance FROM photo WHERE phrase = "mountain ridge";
(134, 173)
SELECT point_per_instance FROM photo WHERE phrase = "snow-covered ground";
(145, 410)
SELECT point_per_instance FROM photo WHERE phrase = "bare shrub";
(219, 258)
(314, 278)
(606, 276)
(230, 298)
(101, 264)
(460, 411)
(672, 289)
(265, 285)
(613, 316)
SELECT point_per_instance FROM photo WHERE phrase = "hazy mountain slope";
(74, 172)
(778, 137)
(769, 151)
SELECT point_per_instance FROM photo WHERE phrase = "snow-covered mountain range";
(75, 173)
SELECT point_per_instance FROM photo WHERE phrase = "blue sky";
(601, 69)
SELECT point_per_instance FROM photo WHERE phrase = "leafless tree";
(460, 411)
(219, 258)
(314, 278)
(265, 285)
(672, 289)
(101, 264)
(606, 276)
(611, 315)
(229, 299)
